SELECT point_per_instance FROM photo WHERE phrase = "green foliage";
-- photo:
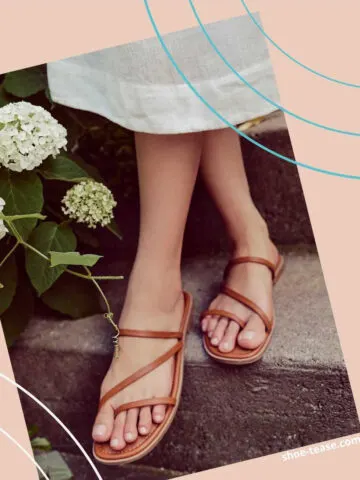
(73, 258)
(24, 83)
(15, 319)
(63, 168)
(46, 237)
(8, 278)
(23, 193)
(73, 297)
(41, 443)
(45, 260)
(54, 466)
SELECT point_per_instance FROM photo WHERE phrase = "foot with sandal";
(141, 391)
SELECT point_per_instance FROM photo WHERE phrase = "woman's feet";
(255, 282)
(159, 305)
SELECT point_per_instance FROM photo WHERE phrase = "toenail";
(158, 418)
(99, 430)
(129, 437)
(114, 443)
(143, 430)
(248, 335)
(214, 341)
(210, 334)
(225, 346)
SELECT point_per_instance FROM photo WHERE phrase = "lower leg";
(167, 167)
(224, 173)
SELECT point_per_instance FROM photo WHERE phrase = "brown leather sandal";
(242, 356)
(144, 444)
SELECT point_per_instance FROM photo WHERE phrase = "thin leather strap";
(141, 373)
(248, 303)
(224, 313)
(145, 403)
(258, 260)
(125, 332)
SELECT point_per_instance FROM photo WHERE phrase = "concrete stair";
(297, 395)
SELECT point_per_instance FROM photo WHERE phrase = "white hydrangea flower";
(29, 134)
(89, 202)
(3, 229)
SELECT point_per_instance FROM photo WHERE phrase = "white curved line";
(4, 432)
(73, 438)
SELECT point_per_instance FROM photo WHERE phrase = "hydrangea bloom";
(89, 202)
(3, 229)
(28, 136)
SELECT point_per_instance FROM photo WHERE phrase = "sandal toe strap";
(126, 332)
(149, 402)
(249, 304)
(141, 373)
(224, 313)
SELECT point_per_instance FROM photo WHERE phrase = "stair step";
(297, 395)
(82, 471)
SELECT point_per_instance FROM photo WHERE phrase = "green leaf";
(41, 443)
(15, 319)
(92, 171)
(54, 466)
(73, 296)
(8, 277)
(33, 430)
(63, 168)
(4, 100)
(73, 258)
(24, 83)
(23, 193)
(47, 236)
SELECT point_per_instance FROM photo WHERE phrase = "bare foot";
(253, 281)
(141, 311)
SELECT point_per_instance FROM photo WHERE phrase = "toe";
(145, 421)
(228, 342)
(117, 441)
(212, 325)
(103, 425)
(158, 413)
(253, 334)
(205, 323)
(219, 331)
(131, 423)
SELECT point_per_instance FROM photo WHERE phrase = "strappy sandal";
(144, 444)
(242, 356)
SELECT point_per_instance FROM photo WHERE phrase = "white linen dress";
(136, 85)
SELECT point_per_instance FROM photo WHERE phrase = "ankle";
(254, 241)
(155, 289)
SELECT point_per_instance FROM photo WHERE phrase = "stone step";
(81, 470)
(275, 188)
(297, 395)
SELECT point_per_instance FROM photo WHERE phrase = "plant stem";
(68, 270)
(109, 315)
(12, 218)
(10, 252)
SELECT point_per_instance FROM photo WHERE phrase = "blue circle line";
(276, 45)
(276, 105)
(242, 134)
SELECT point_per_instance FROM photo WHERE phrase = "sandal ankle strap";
(259, 260)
